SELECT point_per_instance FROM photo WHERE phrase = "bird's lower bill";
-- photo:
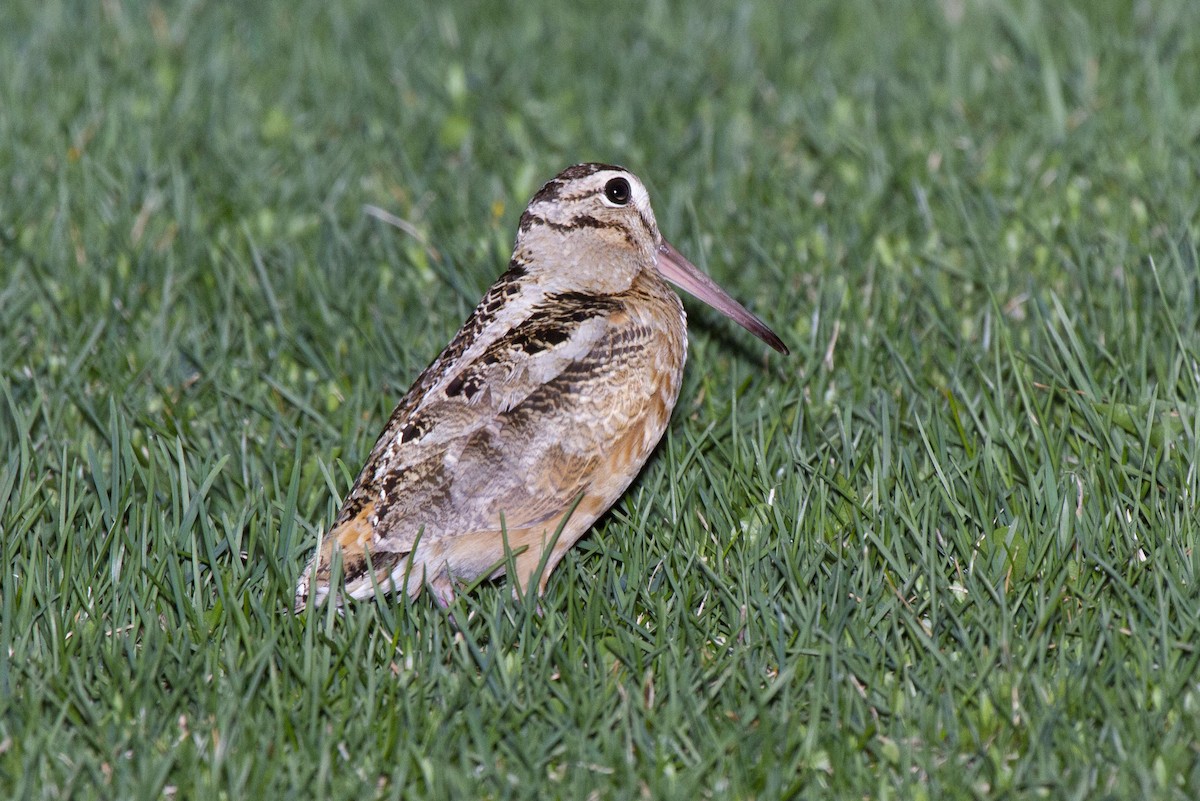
(682, 273)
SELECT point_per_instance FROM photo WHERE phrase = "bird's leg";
(442, 588)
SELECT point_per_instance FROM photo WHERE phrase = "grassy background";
(947, 549)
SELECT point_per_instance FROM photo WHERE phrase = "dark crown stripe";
(584, 170)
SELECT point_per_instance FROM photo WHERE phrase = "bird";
(539, 413)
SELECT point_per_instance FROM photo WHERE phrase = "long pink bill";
(685, 275)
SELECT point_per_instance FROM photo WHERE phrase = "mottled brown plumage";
(540, 411)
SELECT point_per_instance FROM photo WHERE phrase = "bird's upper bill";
(682, 273)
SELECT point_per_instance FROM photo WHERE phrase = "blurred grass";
(947, 549)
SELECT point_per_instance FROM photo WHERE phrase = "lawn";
(949, 548)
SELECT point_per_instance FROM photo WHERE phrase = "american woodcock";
(540, 411)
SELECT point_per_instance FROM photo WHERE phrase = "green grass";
(947, 549)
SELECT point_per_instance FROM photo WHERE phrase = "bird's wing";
(515, 428)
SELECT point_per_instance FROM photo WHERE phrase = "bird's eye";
(617, 191)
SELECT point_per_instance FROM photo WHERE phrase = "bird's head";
(591, 230)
